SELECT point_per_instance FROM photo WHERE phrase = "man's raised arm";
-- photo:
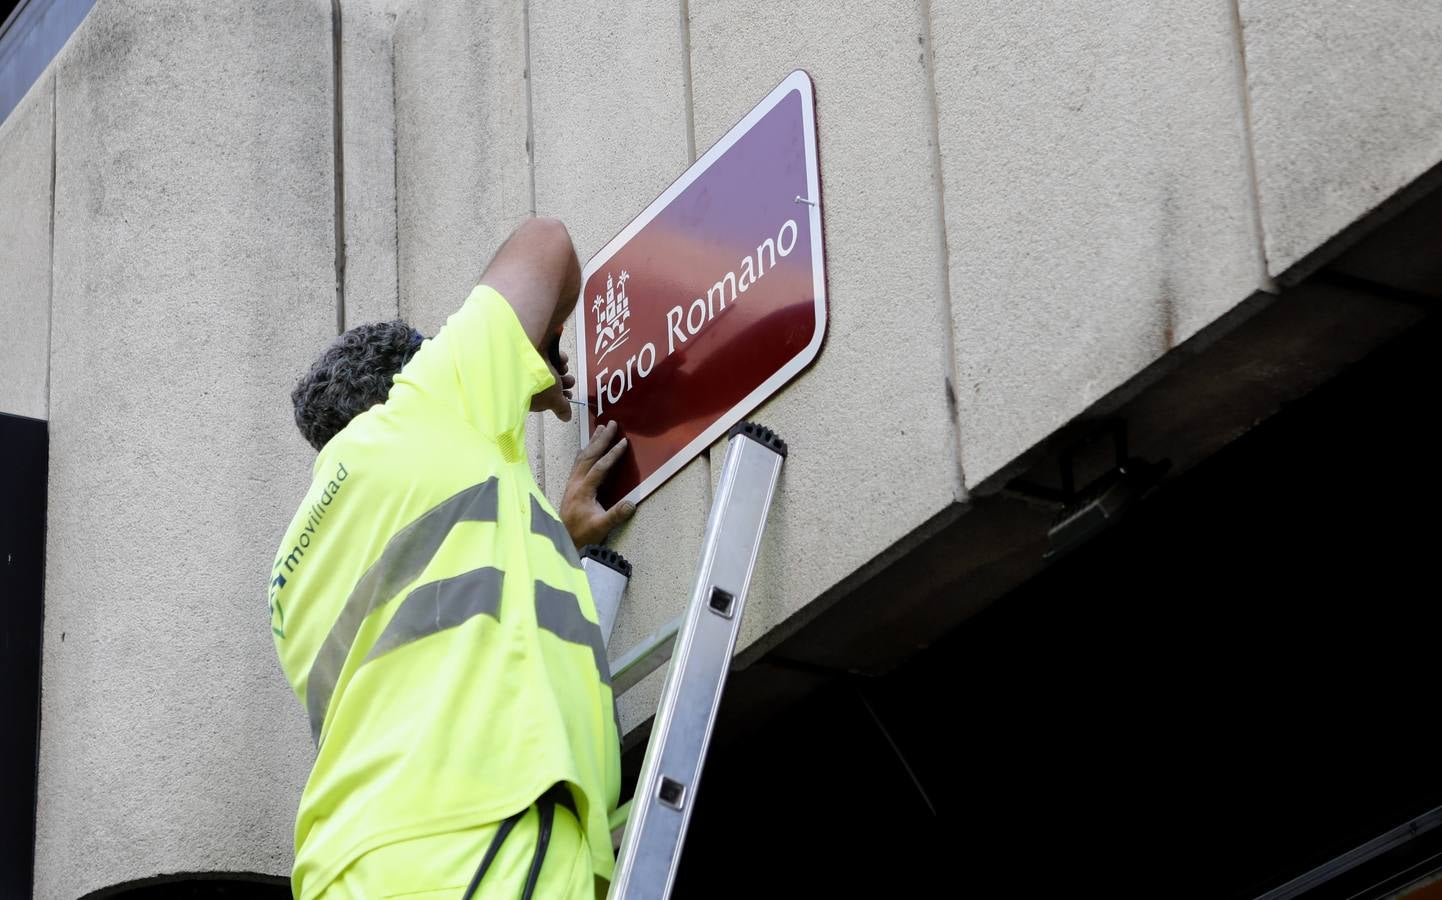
(537, 271)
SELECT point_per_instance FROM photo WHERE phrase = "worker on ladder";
(431, 613)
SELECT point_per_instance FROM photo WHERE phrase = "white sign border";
(798, 81)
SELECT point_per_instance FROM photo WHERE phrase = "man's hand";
(585, 519)
(557, 397)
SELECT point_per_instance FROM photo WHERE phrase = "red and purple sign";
(710, 300)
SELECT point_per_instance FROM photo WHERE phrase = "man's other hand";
(585, 519)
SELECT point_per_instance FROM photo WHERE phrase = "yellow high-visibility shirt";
(430, 611)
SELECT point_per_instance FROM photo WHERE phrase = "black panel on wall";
(23, 468)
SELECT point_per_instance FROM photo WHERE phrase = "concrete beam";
(1346, 105)
(1099, 205)
(1228, 378)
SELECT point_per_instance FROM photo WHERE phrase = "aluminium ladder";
(700, 644)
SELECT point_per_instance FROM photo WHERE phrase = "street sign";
(710, 300)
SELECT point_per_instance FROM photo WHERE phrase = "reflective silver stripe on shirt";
(402, 561)
(439, 605)
(559, 612)
(549, 527)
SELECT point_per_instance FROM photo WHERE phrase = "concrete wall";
(1024, 208)
(27, 163)
(194, 279)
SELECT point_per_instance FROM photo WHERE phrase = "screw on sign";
(710, 300)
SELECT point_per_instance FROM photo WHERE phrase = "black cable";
(895, 748)
(547, 808)
(500, 838)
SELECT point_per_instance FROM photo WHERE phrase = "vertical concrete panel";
(463, 174)
(609, 105)
(194, 280)
(463, 178)
(1346, 99)
(1098, 201)
(369, 165)
(610, 133)
(26, 166)
(872, 440)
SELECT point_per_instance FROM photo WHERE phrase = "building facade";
(1040, 219)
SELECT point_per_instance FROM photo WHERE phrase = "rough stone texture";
(609, 108)
(194, 277)
(608, 100)
(873, 448)
(1346, 99)
(369, 164)
(1098, 201)
(463, 179)
(26, 166)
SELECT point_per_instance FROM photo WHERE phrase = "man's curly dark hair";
(352, 375)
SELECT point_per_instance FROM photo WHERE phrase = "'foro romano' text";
(685, 321)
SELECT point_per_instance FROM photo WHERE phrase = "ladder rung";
(618, 820)
(646, 657)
